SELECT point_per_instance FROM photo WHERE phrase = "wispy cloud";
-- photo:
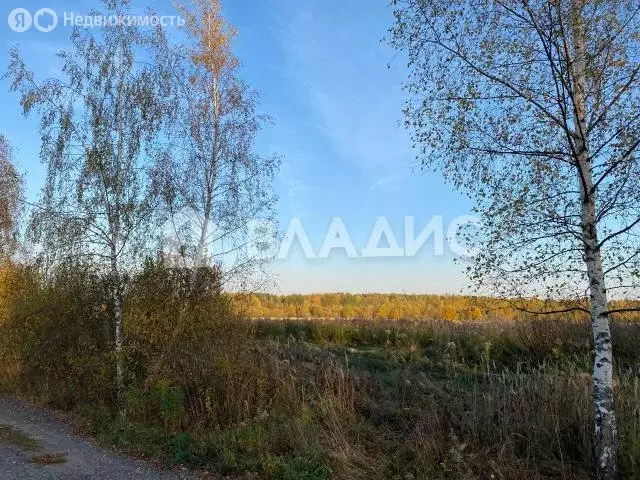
(390, 183)
(342, 69)
(297, 190)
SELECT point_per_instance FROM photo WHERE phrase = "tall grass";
(312, 400)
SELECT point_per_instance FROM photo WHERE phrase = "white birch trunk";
(202, 243)
(606, 430)
(117, 301)
(210, 172)
(114, 225)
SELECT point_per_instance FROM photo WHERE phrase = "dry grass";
(49, 458)
(15, 437)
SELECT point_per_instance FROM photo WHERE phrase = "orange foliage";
(375, 306)
(215, 36)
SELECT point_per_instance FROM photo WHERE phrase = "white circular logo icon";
(20, 20)
(45, 20)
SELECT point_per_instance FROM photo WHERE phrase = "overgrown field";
(312, 399)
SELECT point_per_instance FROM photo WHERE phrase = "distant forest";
(377, 306)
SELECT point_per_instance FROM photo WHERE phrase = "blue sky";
(333, 89)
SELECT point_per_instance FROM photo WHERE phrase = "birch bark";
(606, 431)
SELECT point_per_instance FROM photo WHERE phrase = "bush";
(186, 347)
(58, 333)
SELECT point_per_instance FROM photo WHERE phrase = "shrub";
(58, 332)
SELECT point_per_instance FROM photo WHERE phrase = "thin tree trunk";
(211, 174)
(606, 429)
(116, 298)
(115, 242)
(202, 242)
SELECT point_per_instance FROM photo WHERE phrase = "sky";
(333, 89)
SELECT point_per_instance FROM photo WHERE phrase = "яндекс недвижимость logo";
(46, 19)
(20, 20)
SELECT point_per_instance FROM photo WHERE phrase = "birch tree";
(218, 184)
(95, 123)
(532, 108)
(11, 191)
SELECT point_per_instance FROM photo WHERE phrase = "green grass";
(15, 437)
(12, 436)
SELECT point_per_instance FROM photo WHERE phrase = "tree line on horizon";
(384, 306)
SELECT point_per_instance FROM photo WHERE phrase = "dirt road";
(35, 445)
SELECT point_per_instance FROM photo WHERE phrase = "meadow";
(209, 388)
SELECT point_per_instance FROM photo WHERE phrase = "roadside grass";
(12, 436)
(49, 458)
(15, 437)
